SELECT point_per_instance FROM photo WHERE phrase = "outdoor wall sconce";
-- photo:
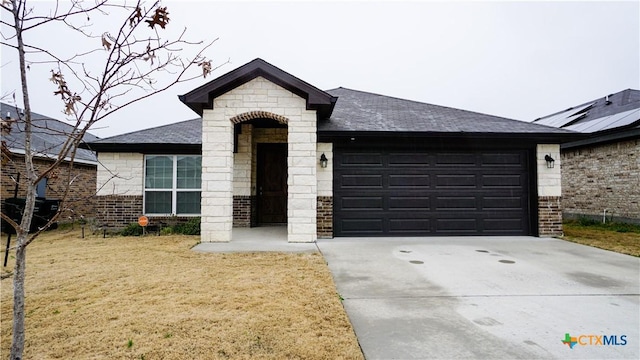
(550, 161)
(323, 161)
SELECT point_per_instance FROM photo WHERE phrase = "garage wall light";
(550, 161)
(323, 161)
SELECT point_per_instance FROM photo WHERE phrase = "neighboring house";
(47, 137)
(601, 173)
(270, 148)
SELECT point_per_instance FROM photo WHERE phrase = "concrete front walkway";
(487, 297)
(265, 238)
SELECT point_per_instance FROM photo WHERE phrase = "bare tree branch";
(124, 65)
(64, 16)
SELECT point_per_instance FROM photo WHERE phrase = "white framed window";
(172, 184)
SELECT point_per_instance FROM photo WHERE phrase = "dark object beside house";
(42, 213)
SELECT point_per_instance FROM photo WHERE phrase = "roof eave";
(554, 138)
(144, 148)
(54, 157)
(593, 139)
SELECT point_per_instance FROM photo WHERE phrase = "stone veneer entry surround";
(255, 99)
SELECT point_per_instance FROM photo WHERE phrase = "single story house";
(601, 172)
(48, 135)
(269, 148)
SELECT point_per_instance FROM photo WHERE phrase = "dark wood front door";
(272, 183)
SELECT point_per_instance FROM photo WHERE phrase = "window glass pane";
(188, 202)
(157, 202)
(189, 172)
(159, 172)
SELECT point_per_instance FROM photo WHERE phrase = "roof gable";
(202, 97)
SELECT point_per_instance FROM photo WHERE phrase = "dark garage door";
(410, 193)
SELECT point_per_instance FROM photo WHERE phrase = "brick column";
(217, 177)
(325, 217)
(302, 182)
(242, 162)
(549, 191)
(325, 191)
(550, 216)
(241, 211)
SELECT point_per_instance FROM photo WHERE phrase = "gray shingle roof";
(184, 132)
(366, 112)
(355, 111)
(47, 137)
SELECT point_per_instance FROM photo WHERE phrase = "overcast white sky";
(520, 60)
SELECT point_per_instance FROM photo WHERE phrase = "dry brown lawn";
(621, 242)
(154, 298)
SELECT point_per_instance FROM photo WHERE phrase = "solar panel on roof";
(585, 126)
(607, 122)
(552, 119)
(565, 117)
(624, 119)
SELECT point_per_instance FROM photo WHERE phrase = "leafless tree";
(135, 61)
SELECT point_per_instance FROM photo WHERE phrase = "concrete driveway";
(487, 297)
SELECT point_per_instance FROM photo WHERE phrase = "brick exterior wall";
(550, 216)
(80, 201)
(242, 211)
(115, 212)
(118, 211)
(325, 217)
(602, 177)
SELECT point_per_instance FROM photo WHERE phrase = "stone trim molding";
(258, 114)
(550, 216)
